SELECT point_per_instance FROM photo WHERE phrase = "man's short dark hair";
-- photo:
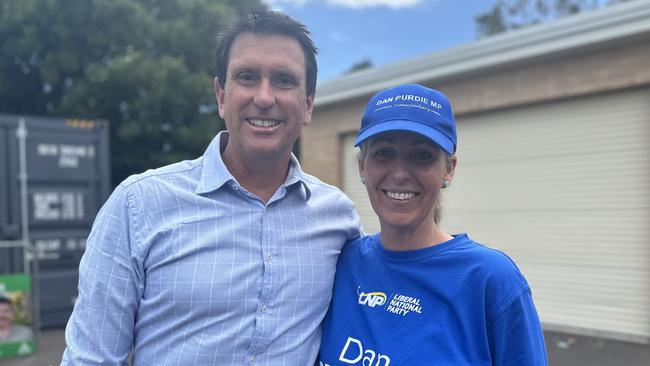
(268, 23)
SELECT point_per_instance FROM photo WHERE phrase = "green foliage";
(144, 65)
(20, 308)
(513, 14)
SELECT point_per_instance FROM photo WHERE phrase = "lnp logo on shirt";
(398, 304)
(402, 305)
(371, 299)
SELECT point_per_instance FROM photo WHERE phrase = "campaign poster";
(16, 335)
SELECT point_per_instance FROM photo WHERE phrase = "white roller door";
(564, 189)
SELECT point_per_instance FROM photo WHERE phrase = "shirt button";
(251, 360)
(235, 187)
(268, 258)
(264, 309)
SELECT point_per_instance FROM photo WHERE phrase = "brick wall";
(561, 76)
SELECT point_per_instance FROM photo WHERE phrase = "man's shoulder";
(318, 186)
(360, 247)
(328, 197)
(181, 172)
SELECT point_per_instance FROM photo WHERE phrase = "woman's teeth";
(400, 196)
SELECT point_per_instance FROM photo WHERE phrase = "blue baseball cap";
(414, 108)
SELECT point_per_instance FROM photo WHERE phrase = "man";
(228, 259)
(10, 332)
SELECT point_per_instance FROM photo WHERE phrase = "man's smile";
(263, 123)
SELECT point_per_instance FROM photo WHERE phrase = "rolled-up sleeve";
(100, 330)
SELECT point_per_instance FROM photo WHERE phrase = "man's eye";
(246, 77)
(285, 81)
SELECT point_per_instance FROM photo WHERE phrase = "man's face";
(6, 315)
(264, 101)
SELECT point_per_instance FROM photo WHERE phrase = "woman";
(414, 294)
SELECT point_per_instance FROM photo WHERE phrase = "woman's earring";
(445, 184)
(363, 179)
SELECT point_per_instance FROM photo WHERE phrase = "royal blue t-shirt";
(456, 303)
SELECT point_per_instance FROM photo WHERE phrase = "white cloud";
(353, 4)
(359, 4)
(337, 36)
(277, 4)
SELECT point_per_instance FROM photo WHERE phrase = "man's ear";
(310, 109)
(219, 94)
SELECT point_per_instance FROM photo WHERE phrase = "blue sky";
(383, 31)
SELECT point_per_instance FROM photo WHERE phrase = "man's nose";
(264, 95)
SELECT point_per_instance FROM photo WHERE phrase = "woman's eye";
(423, 156)
(384, 154)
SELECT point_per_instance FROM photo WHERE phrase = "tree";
(144, 65)
(358, 66)
(513, 14)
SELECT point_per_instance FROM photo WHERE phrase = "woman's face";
(403, 175)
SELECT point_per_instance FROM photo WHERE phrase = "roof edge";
(596, 27)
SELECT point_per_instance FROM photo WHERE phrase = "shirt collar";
(215, 174)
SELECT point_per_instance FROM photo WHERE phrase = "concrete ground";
(571, 350)
(563, 350)
(50, 345)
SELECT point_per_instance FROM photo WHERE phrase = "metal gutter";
(584, 30)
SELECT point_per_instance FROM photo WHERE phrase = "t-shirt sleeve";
(516, 336)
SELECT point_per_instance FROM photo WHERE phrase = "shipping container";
(67, 180)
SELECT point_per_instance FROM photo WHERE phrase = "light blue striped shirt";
(185, 267)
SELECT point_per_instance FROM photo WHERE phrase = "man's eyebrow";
(236, 69)
(284, 71)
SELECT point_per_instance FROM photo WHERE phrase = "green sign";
(13, 349)
(16, 336)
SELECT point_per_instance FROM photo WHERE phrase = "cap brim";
(410, 126)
